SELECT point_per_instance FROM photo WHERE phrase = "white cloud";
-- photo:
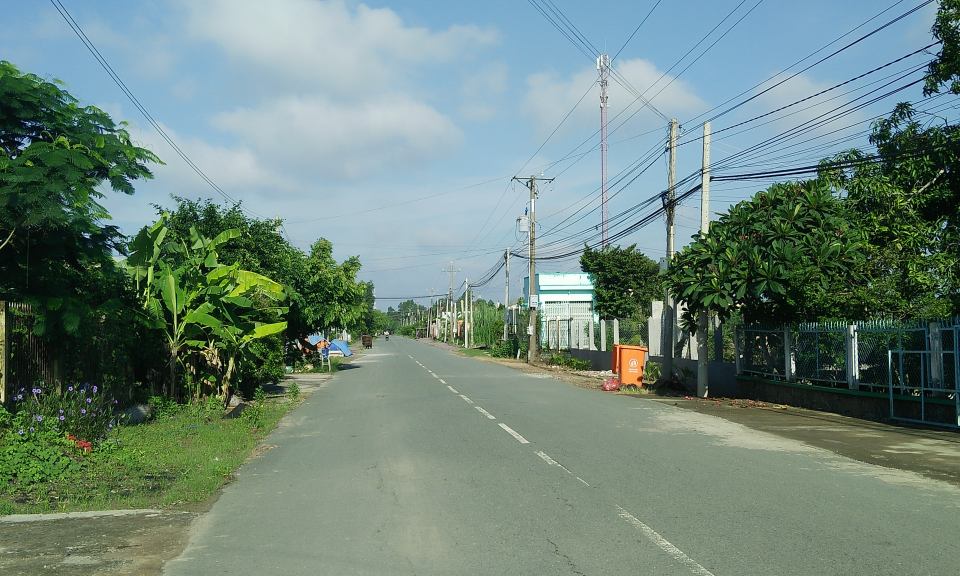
(311, 42)
(480, 89)
(326, 138)
(336, 84)
(550, 97)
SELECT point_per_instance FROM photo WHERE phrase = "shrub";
(505, 348)
(293, 391)
(574, 363)
(83, 411)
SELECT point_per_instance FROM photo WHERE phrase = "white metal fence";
(917, 359)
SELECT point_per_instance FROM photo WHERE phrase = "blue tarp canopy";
(341, 346)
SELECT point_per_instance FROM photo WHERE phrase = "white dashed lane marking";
(553, 462)
(467, 400)
(664, 545)
(485, 413)
(452, 390)
(511, 432)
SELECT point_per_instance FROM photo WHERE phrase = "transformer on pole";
(603, 65)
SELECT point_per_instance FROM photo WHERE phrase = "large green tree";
(908, 207)
(625, 281)
(791, 253)
(322, 295)
(56, 156)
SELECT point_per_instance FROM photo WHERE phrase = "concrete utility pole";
(430, 313)
(668, 304)
(450, 300)
(506, 294)
(603, 65)
(532, 305)
(703, 388)
(466, 316)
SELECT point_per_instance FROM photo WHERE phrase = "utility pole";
(668, 304)
(603, 65)
(430, 313)
(466, 316)
(532, 353)
(506, 294)
(450, 300)
(703, 388)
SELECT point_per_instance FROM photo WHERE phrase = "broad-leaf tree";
(204, 307)
(56, 156)
(789, 254)
(908, 207)
(625, 281)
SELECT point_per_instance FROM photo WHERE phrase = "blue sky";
(393, 128)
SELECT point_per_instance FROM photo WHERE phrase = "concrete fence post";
(717, 339)
(603, 335)
(787, 354)
(935, 345)
(592, 345)
(737, 348)
(616, 331)
(853, 357)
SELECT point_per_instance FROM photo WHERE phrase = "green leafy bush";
(507, 349)
(35, 449)
(569, 362)
(84, 411)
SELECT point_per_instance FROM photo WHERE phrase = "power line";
(825, 58)
(57, 4)
(635, 31)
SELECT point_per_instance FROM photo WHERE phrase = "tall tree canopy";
(55, 155)
(908, 207)
(790, 253)
(322, 294)
(625, 281)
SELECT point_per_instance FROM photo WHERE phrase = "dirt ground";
(140, 541)
(119, 542)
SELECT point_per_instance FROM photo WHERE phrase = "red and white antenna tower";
(603, 65)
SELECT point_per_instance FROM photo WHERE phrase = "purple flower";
(69, 388)
(114, 401)
(19, 396)
(84, 411)
(110, 426)
(31, 428)
(21, 431)
(94, 389)
(61, 411)
(61, 418)
(89, 400)
(39, 418)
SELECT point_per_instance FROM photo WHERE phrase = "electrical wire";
(58, 5)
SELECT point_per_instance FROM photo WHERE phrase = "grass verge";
(178, 459)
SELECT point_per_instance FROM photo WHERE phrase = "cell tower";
(603, 65)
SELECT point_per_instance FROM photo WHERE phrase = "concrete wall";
(869, 405)
(721, 376)
(599, 360)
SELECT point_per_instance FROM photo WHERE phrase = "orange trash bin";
(629, 362)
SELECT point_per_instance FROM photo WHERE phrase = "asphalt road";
(417, 461)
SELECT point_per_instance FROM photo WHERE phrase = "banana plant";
(200, 304)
